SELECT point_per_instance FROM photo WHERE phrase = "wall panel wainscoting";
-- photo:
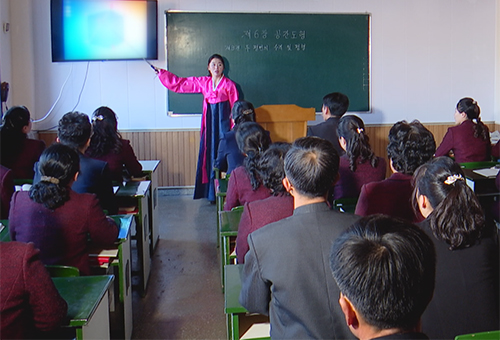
(178, 149)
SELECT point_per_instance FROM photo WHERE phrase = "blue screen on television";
(104, 30)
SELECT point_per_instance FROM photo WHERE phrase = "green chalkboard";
(273, 58)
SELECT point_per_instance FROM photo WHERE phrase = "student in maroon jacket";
(469, 140)
(107, 144)
(244, 183)
(358, 165)
(279, 205)
(18, 152)
(55, 218)
(410, 145)
(29, 301)
(6, 191)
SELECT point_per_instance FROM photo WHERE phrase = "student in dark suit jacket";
(107, 145)
(229, 155)
(469, 140)
(278, 206)
(410, 145)
(334, 106)
(29, 301)
(74, 130)
(244, 183)
(359, 165)
(286, 274)
(55, 218)
(466, 298)
(6, 191)
(385, 269)
(18, 152)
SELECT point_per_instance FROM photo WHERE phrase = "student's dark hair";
(105, 137)
(386, 268)
(337, 103)
(457, 218)
(471, 109)
(352, 129)
(271, 167)
(252, 141)
(243, 111)
(57, 165)
(74, 129)
(410, 145)
(312, 166)
(11, 134)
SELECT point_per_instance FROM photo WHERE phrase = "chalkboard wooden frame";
(274, 58)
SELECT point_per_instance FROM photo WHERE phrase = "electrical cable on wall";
(57, 100)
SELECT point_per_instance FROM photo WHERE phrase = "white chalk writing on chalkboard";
(278, 34)
(266, 48)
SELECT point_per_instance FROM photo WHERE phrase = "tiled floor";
(184, 299)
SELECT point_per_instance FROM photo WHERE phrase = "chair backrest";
(478, 165)
(345, 204)
(493, 335)
(230, 220)
(62, 271)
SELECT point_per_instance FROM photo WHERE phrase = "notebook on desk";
(490, 173)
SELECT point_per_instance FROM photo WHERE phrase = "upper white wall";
(426, 55)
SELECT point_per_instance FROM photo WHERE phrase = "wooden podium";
(286, 123)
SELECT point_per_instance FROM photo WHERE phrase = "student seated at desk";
(335, 105)
(55, 218)
(278, 206)
(385, 270)
(410, 145)
(74, 130)
(466, 297)
(29, 301)
(286, 274)
(6, 191)
(229, 155)
(358, 165)
(469, 140)
(18, 152)
(107, 144)
(244, 183)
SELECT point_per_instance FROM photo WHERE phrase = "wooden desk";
(150, 169)
(88, 305)
(233, 308)
(482, 186)
(137, 194)
(120, 264)
(229, 222)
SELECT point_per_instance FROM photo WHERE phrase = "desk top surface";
(4, 232)
(232, 288)
(134, 189)
(83, 294)
(149, 165)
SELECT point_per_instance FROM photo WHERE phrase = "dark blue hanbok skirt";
(217, 122)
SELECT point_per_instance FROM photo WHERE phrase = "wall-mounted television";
(86, 30)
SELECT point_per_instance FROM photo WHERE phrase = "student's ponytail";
(470, 107)
(352, 129)
(57, 166)
(252, 141)
(457, 217)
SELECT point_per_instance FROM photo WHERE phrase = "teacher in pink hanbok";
(219, 94)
